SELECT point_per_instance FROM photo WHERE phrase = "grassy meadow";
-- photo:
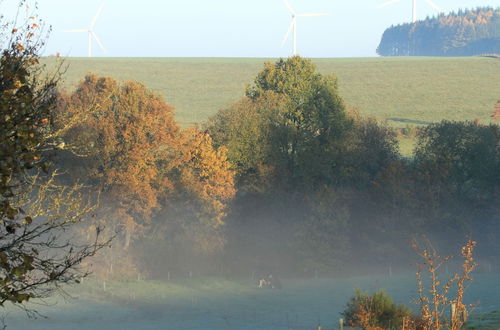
(403, 91)
(216, 303)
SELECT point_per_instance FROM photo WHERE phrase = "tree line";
(287, 179)
(321, 187)
(464, 33)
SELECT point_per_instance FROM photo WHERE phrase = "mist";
(280, 204)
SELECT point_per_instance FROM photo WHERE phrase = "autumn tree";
(496, 111)
(37, 215)
(124, 132)
(147, 170)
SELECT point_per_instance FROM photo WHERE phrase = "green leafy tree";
(298, 154)
(307, 130)
(464, 156)
(247, 141)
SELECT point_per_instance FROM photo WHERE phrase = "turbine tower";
(414, 7)
(91, 33)
(293, 26)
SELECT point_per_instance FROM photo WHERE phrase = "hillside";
(465, 33)
(400, 90)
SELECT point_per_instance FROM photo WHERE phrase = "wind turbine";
(91, 33)
(293, 25)
(414, 7)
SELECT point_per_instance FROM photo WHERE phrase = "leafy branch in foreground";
(39, 251)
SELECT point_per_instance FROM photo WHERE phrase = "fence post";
(453, 312)
(341, 324)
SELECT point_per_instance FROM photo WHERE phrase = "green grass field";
(216, 303)
(403, 91)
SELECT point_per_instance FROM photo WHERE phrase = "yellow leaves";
(20, 47)
(141, 158)
(205, 175)
(130, 131)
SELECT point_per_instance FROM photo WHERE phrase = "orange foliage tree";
(204, 183)
(496, 111)
(124, 132)
(134, 154)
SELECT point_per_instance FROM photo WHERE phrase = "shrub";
(377, 311)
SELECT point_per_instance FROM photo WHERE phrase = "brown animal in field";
(263, 283)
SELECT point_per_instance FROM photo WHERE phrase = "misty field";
(212, 303)
(400, 90)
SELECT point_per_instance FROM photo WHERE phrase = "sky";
(226, 28)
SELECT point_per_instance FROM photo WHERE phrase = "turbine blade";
(290, 9)
(433, 5)
(78, 30)
(310, 14)
(290, 28)
(388, 3)
(98, 41)
(96, 17)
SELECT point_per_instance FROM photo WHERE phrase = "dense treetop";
(465, 33)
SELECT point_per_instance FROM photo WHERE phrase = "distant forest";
(465, 33)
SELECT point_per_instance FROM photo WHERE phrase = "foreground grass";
(485, 321)
(403, 91)
(216, 303)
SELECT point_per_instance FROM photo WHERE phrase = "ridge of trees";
(464, 33)
(287, 177)
(324, 181)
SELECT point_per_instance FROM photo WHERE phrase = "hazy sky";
(227, 28)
